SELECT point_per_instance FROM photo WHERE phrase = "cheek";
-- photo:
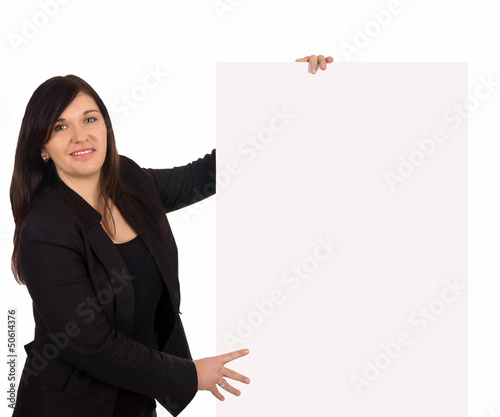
(55, 148)
(100, 134)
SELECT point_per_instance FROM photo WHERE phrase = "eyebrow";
(84, 113)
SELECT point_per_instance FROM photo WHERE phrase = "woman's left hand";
(211, 372)
(315, 60)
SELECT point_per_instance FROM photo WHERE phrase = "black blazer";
(83, 302)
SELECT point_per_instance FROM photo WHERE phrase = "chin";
(87, 171)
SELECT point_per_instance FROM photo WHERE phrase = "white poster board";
(342, 238)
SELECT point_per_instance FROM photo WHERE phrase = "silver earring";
(45, 159)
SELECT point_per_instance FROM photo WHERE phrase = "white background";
(112, 45)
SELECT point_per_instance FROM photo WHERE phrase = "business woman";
(95, 250)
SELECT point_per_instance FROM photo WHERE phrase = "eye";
(90, 120)
(58, 128)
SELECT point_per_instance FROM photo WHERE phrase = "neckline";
(125, 243)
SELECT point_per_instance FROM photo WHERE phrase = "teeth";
(82, 152)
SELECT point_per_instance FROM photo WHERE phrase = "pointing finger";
(231, 356)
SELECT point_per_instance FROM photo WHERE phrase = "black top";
(148, 288)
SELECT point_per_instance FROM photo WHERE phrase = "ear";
(44, 151)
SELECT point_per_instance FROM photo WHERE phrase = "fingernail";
(247, 381)
(238, 392)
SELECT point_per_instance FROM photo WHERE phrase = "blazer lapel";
(122, 312)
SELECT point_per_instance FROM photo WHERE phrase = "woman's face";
(77, 145)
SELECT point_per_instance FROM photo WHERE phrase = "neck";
(86, 187)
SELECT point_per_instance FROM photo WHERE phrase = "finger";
(217, 394)
(231, 356)
(322, 62)
(230, 388)
(235, 375)
(305, 59)
(329, 59)
(313, 61)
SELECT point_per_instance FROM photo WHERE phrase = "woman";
(95, 250)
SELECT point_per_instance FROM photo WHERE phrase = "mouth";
(82, 152)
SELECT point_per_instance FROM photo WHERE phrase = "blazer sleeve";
(56, 277)
(181, 186)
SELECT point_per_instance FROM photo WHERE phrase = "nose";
(79, 135)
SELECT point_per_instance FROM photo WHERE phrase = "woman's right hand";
(211, 372)
(315, 61)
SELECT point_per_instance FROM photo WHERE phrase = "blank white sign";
(342, 238)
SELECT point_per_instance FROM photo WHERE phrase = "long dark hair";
(31, 174)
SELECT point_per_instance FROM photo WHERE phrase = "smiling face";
(77, 144)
